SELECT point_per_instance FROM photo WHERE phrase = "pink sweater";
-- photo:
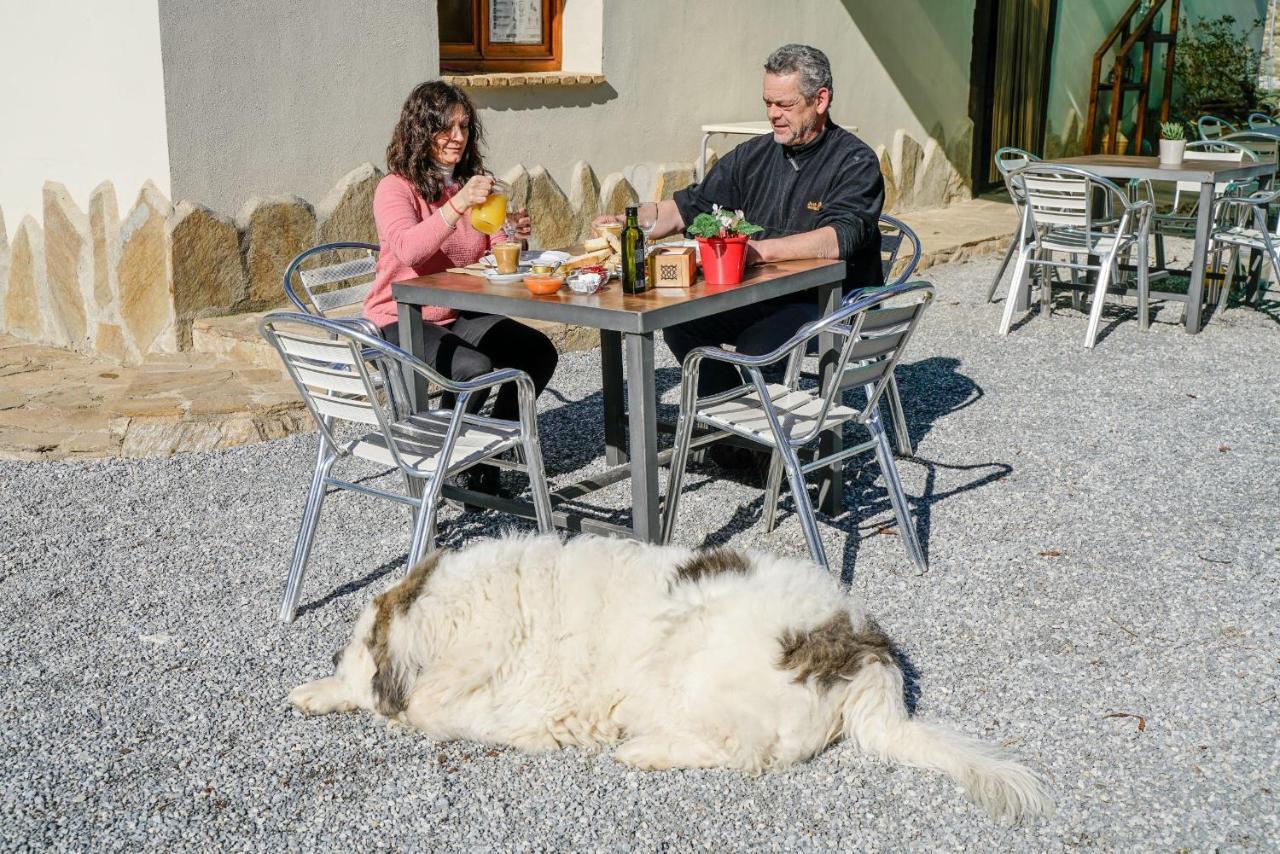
(416, 241)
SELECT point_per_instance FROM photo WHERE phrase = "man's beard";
(802, 132)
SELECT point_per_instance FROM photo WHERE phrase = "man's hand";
(754, 254)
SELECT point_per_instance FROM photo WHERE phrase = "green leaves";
(1173, 130)
(721, 223)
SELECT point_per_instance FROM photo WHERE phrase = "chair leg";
(804, 508)
(538, 483)
(1099, 299)
(1019, 281)
(306, 534)
(1159, 241)
(898, 498)
(1004, 264)
(679, 459)
(1076, 296)
(424, 534)
(1144, 289)
(1229, 277)
(899, 418)
(773, 490)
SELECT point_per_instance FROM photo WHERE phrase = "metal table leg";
(1195, 292)
(412, 340)
(615, 430)
(831, 481)
(642, 402)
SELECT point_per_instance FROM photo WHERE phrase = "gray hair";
(810, 63)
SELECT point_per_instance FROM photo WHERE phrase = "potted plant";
(1173, 142)
(722, 244)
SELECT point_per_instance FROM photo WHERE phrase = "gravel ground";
(1102, 598)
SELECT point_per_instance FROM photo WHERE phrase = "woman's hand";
(473, 192)
(523, 224)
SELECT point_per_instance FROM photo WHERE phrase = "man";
(815, 188)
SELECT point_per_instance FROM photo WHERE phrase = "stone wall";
(127, 288)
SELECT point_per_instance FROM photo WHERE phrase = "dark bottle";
(633, 269)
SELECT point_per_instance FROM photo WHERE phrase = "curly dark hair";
(427, 112)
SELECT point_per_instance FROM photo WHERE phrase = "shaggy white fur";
(689, 659)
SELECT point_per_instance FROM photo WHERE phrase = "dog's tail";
(875, 717)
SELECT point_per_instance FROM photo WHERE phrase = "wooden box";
(676, 267)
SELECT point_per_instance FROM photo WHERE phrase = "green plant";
(1216, 67)
(722, 223)
(1173, 130)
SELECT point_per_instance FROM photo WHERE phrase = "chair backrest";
(893, 234)
(333, 284)
(874, 337)
(1008, 161)
(1066, 196)
(1216, 150)
(1212, 127)
(1263, 145)
(1262, 120)
(337, 370)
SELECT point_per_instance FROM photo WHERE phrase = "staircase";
(1126, 37)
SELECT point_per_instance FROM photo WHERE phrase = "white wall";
(271, 97)
(84, 101)
(672, 66)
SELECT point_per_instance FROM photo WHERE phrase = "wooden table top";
(610, 308)
(1190, 169)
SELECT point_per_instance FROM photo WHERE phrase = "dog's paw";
(646, 754)
(320, 697)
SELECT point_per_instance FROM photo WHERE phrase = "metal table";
(1204, 172)
(627, 324)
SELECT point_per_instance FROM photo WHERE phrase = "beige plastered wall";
(84, 102)
(270, 99)
(1081, 27)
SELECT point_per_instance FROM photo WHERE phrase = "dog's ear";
(388, 683)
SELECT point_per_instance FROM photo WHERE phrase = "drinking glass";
(647, 219)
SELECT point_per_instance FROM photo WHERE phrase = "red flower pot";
(723, 259)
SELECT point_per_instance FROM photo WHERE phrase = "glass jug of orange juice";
(491, 215)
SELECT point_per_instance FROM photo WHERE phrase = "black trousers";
(476, 344)
(753, 330)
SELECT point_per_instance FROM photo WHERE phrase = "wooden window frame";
(481, 55)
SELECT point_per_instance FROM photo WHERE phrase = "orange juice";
(490, 215)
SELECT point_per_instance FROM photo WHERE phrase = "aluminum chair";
(333, 366)
(1009, 160)
(1262, 120)
(1263, 145)
(1241, 223)
(1212, 127)
(333, 286)
(785, 417)
(1058, 217)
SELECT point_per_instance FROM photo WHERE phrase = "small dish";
(585, 282)
(543, 285)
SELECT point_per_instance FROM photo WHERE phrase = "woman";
(421, 208)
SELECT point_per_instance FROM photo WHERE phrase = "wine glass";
(647, 219)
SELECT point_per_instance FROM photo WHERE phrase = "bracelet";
(452, 225)
(449, 201)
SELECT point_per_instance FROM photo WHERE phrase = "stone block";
(905, 156)
(672, 177)
(518, 180)
(23, 310)
(68, 259)
(584, 199)
(104, 234)
(347, 212)
(208, 271)
(933, 176)
(273, 231)
(890, 181)
(616, 193)
(553, 218)
(4, 266)
(109, 340)
(144, 274)
(960, 153)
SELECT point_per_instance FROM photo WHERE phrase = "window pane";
(456, 22)
(515, 21)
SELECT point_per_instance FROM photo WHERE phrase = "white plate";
(530, 257)
(505, 278)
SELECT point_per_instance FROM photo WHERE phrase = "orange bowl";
(543, 284)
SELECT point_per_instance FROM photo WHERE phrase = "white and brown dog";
(689, 659)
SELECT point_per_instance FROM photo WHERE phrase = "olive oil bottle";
(634, 280)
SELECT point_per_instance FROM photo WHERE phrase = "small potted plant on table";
(1173, 143)
(722, 244)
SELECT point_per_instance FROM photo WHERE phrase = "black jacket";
(834, 180)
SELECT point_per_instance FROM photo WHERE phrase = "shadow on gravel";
(354, 586)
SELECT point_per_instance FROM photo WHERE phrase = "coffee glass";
(507, 257)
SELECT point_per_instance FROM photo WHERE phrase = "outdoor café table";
(1206, 173)
(627, 324)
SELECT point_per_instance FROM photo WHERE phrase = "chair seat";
(420, 438)
(1080, 241)
(797, 412)
(1240, 236)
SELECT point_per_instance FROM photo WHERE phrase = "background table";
(627, 324)
(1203, 172)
